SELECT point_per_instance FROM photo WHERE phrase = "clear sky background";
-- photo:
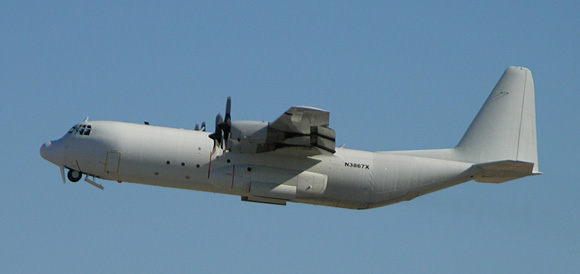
(393, 75)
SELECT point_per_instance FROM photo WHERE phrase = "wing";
(300, 119)
(299, 131)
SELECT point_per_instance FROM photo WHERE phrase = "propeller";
(217, 136)
(223, 126)
(197, 128)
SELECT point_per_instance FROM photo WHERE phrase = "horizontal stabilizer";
(501, 171)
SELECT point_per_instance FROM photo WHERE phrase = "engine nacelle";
(248, 136)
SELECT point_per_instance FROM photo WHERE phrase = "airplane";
(294, 158)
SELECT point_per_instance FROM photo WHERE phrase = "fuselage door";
(113, 162)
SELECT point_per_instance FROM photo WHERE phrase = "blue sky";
(394, 76)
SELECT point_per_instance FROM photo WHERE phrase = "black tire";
(74, 176)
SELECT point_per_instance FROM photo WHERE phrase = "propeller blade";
(62, 174)
(218, 120)
(203, 126)
(217, 135)
(228, 108)
(196, 127)
(227, 127)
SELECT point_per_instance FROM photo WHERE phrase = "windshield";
(80, 129)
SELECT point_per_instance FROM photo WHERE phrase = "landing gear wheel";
(74, 176)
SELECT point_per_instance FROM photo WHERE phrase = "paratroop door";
(113, 162)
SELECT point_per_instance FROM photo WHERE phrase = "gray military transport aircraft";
(294, 158)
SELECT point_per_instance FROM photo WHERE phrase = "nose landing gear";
(74, 176)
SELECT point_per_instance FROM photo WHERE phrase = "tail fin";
(505, 127)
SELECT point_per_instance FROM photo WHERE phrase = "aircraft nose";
(53, 152)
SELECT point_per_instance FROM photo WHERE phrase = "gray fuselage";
(187, 159)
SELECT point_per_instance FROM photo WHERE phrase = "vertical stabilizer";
(505, 127)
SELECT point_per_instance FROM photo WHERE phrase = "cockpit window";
(80, 129)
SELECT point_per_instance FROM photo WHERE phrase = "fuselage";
(188, 159)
